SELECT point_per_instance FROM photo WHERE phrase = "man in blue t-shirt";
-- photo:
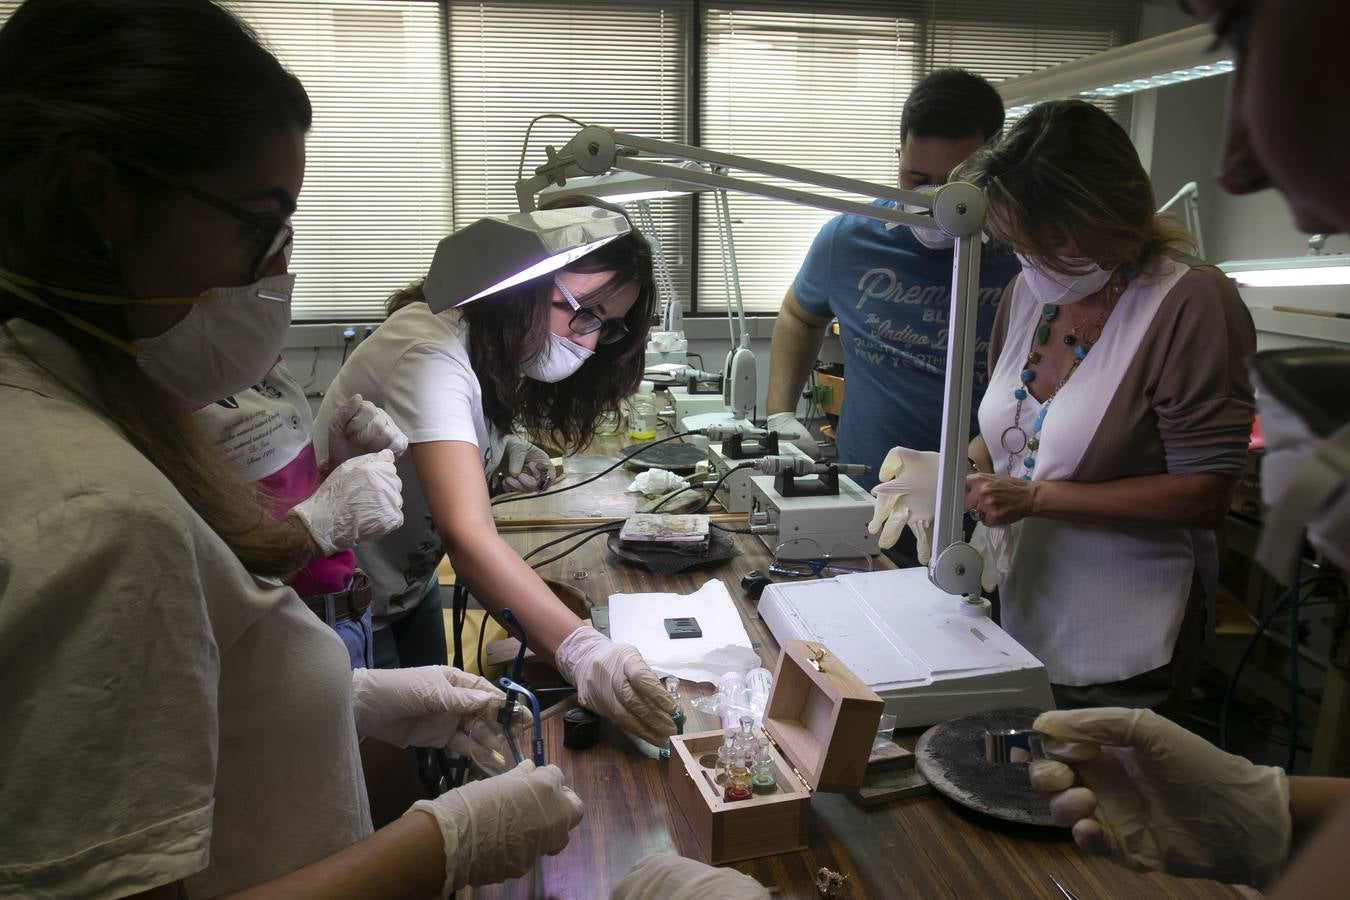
(891, 295)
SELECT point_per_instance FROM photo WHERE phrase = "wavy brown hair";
(510, 328)
(1067, 173)
(180, 85)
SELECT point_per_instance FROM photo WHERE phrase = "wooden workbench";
(922, 847)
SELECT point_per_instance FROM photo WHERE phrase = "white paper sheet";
(639, 619)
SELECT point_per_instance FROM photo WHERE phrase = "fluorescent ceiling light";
(1183, 55)
(1294, 271)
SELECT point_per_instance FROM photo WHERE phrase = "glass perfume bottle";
(738, 780)
(673, 691)
(742, 756)
(761, 770)
(725, 754)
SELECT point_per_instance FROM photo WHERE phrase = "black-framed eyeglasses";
(584, 321)
(273, 236)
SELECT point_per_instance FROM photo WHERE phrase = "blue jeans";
(417, 639)
(356, 634)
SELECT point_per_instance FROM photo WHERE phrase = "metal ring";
(974, 512)
(1003, 439)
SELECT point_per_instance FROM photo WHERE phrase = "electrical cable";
(459, 605)
(731, 530)
(578, 545)
(482, 629)
(712, 492)
(1293, 668)
(1269, 617)
(672, 496)
(525, 145)
(571, 534)
(636, 451)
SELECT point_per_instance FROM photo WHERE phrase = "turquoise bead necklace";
(1015, 439)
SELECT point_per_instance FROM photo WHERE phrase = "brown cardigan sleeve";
(1202, 395)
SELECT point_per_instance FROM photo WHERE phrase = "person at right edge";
(890, 289)
(1133, 786)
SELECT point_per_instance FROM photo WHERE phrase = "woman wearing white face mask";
(542, 359)
(1117, 416)
(153, 149)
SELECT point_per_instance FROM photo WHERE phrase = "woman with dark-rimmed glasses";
(476, 388)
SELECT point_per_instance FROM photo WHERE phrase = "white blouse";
(1095, 603)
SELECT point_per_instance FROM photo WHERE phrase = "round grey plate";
(675, 457)
(951, 756)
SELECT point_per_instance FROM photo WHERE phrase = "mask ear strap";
(7, 282)
(12, 281)
(1319, 479)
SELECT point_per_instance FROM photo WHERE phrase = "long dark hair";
(1068, 171)
(510, 328)
(179, 85)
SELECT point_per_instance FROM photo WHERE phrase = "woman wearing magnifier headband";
(476, 388)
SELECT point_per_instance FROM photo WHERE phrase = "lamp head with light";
(498, 252)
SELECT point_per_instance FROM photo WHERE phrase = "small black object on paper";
(686, 627)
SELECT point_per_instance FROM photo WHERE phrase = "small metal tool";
(1068, 894)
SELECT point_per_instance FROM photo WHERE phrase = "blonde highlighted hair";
(1068, 175)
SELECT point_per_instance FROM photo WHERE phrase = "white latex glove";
(526, 467)
(996, 547)
(906, 495)
(787, 426)
(437, 706)
(1156, 796)
(361, 427)
(362, 499)
(613, 680)
(662, 876)
(496, 828)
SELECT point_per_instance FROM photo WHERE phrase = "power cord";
(525, 146)
(594, 531)
(636, 451)
(1269, 617)
(712, 492)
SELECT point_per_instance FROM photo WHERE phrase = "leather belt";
(349, 603)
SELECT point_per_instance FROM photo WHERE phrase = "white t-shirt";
(416, 368)
(167, 717)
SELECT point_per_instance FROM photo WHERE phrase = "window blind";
(823, 88)
(377, 186)
(622, 65)
(377, 191)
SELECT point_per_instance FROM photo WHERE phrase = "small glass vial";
(673, 691)
(738, 780)
(742, 757)
(642, 413)
(761, 770)
(725, 754)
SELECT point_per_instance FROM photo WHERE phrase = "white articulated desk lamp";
(930, 656)
(740, 386)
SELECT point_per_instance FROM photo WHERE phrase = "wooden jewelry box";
(820, 720)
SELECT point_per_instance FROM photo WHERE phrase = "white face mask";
(1059, 289)
(932, 238)
(223, 345)
(559, 359)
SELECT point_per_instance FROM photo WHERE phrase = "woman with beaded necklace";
(1117, 416)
